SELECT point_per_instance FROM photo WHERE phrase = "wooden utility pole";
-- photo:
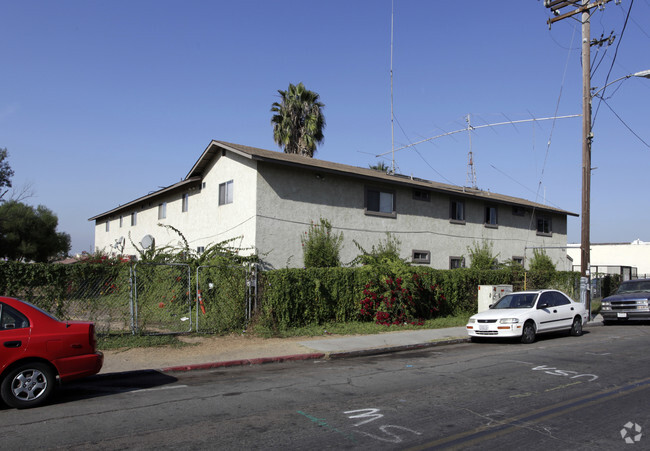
(582, 7)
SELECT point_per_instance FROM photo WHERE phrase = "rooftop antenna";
(471, 172)
(392, 116)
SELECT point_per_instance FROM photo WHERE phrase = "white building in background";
(267, 201)
(611, 257)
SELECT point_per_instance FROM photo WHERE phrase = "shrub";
(321, 247)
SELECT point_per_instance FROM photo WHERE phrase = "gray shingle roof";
(275, 157)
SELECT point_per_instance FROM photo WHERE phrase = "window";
(380, 202)
(121, 221)
(185, 202)
(456, 262)
(162, 210)
(518, 260)
(108, 225)
(457, 211)
(544, 226)
(421, 257)
(134, 218)
(419, 194)
(11, 318)
(491, 216)
(225, 193)
(200, 249)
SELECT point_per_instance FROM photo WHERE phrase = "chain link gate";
(103, 297)
(161, 298)
(226, 297)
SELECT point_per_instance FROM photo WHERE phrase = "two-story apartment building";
(267, 200)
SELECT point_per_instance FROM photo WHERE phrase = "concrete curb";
(313, 356)
(391, 349)
(243, 362)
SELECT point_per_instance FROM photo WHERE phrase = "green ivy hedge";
(299, 297)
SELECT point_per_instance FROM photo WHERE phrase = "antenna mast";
(392, 126)
(471, 172)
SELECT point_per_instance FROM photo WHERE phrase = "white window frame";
(185, 203)
(134, 218)
(226, 192)
(162, 210)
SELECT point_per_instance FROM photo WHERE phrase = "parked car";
(525, 314)
(630, 302)
(38, 351)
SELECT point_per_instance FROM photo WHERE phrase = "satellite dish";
(147, 241)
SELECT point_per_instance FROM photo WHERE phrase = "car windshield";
(634, 286)
(516, 300)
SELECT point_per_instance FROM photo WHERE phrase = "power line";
(623, 122)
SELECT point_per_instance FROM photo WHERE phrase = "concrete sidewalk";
(217, 353)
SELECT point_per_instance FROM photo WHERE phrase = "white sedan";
(525, 314)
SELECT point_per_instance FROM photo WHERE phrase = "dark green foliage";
(298, 121)
(29, 234)
(299, 297)
(542, 269)
(321, 248)
(481, 256)
(5, 172)
(384, 257)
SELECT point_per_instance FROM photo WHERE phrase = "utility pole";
(584, 8)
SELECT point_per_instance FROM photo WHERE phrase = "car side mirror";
(491, 306)
(542, 306)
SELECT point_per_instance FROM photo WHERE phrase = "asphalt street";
(561, 392)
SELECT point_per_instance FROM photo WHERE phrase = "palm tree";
(380, 166)
(298, 121)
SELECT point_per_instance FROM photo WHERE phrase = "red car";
(37, 350)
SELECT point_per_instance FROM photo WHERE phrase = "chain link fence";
(161, 298)
(102, 296)
(144, 298)
(225, 296)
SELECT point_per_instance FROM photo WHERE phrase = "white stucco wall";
(635, 254)
(204, 224)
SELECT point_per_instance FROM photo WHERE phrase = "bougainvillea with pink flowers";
(395, 301)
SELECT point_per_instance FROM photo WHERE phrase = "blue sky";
(103, 102)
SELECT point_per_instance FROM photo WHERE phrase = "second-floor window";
(134, 218)
(457, 210)
(162, 210)
(185, 202)
(544, 226)
(491, 216)
(225, 192)
(380, 202)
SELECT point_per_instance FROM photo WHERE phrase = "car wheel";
(576, 327)
(528, 333)
(27, 385)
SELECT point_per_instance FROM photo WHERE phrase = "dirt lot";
(202, 350)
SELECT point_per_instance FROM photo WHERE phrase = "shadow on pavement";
(110, 384)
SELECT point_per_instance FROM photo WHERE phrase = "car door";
(14, 335)
(565, 309)
(546, 314)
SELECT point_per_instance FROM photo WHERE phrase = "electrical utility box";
(490, 294)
